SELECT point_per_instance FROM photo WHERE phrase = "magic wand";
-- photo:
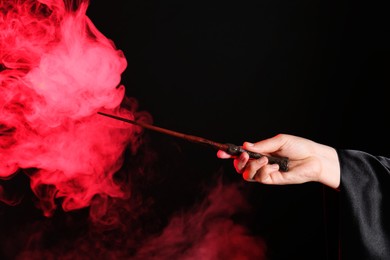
(231, 149)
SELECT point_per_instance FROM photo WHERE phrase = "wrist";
(330, 167)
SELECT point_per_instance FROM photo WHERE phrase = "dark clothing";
(365, 206)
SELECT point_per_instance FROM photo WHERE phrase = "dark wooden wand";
(231, 149)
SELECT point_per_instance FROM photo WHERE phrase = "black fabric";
(364, 206)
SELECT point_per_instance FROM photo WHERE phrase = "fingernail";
(274, 166)
(249, 144)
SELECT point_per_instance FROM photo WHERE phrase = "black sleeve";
(365, 205)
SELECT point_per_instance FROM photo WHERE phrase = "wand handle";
(233, 149)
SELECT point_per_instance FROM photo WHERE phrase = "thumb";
(269, 145)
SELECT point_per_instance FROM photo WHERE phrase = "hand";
(308, 161)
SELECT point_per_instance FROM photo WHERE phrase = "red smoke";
(56, 72)
(207, 231)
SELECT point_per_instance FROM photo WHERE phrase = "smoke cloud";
(57, 70)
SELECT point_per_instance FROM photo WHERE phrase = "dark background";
(235, 71)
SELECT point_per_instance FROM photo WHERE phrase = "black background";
(235, 71)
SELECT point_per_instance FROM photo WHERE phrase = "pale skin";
(308, 162)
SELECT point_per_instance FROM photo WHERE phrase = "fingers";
(269, 174)
(250, 169)
(255, 170)
(242, 165)
(238, 162)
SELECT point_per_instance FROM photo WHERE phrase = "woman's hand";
(308, 161)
